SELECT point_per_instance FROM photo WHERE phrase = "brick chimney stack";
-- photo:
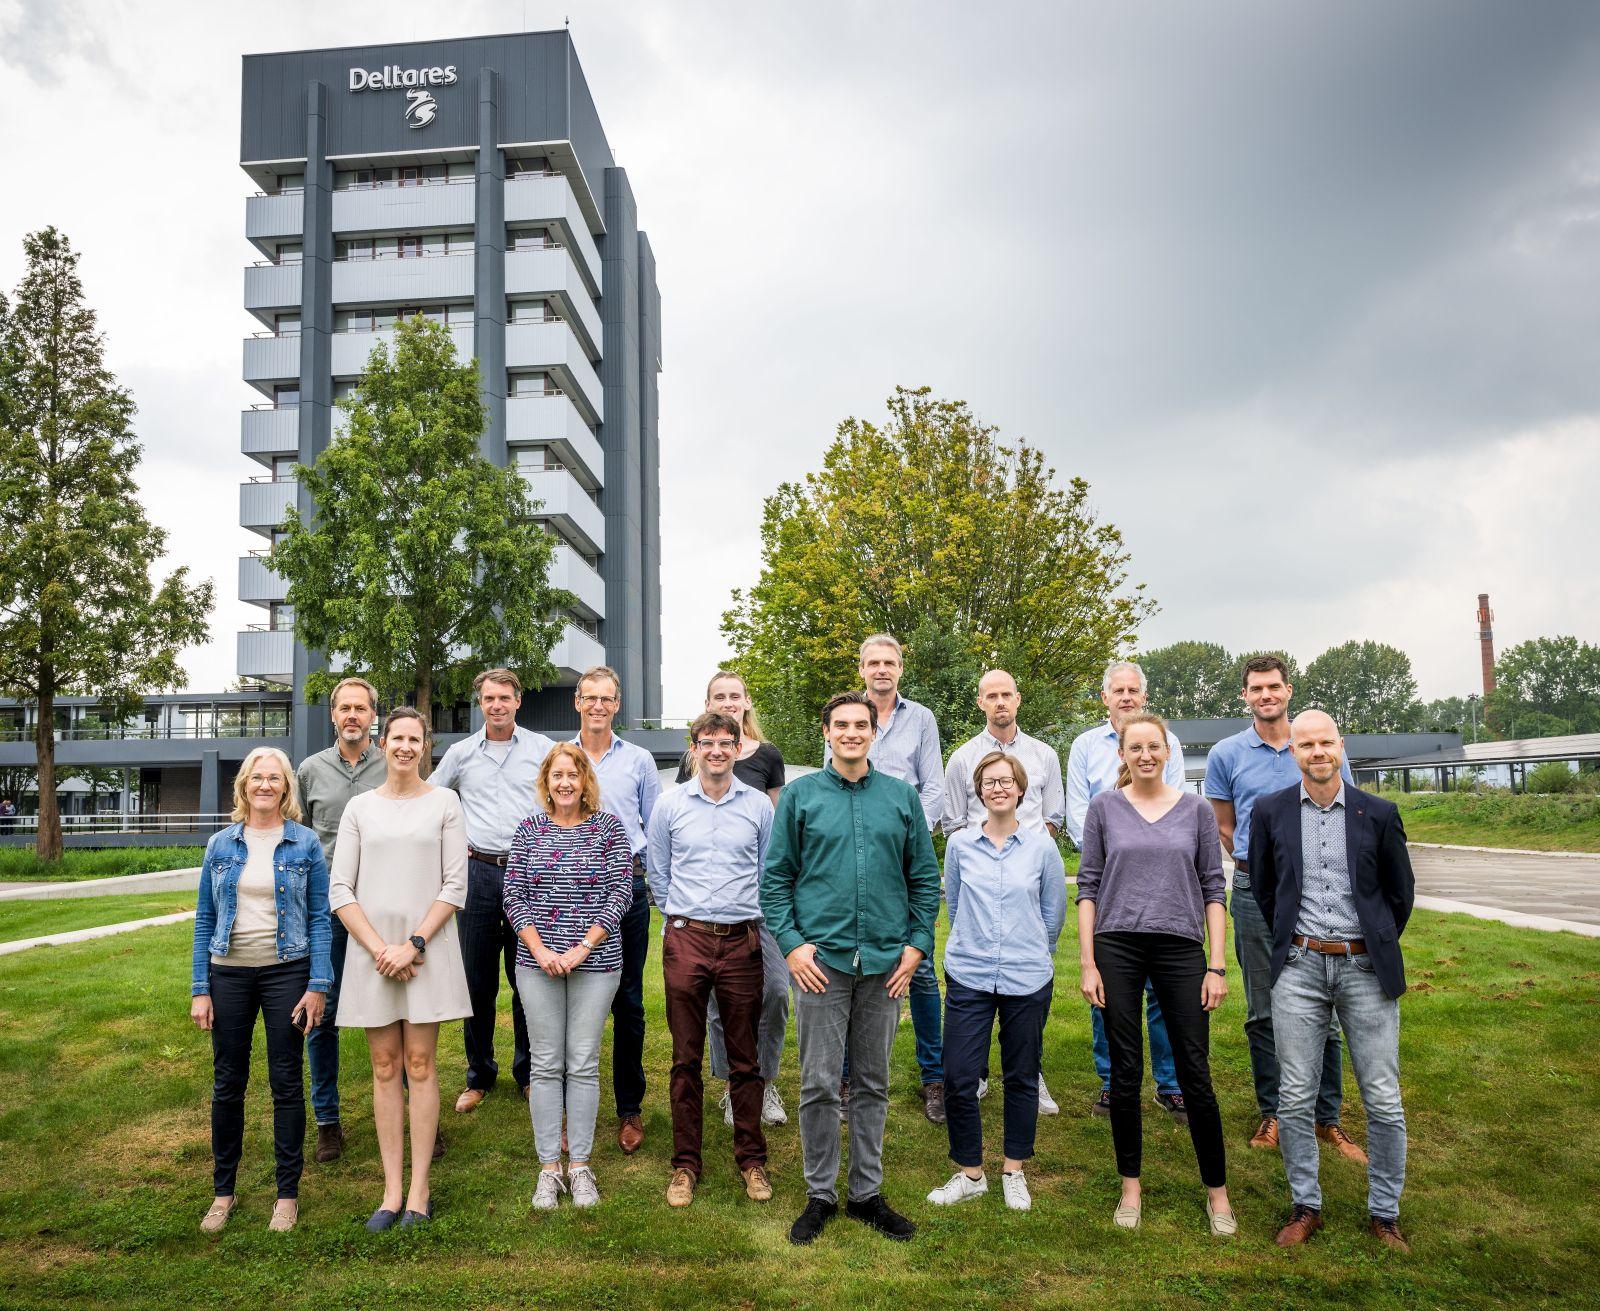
(1486, 641)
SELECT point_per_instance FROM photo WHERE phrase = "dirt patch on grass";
(155, 1140)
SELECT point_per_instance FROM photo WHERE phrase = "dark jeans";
(322, 1046)
(694, 964)
(238, 995)
(627, 1008)
(969, 1017)
(1175, 966)
(488, 946)
(1252, 944)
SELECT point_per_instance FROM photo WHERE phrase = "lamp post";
(1472, 705)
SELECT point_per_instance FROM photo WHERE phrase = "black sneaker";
(1173, 1103)
(878, 1214)
(811, 1221)
(1102, 1104)
(844, 1101)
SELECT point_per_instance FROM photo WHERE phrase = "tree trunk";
(48, 842)
(425, 708)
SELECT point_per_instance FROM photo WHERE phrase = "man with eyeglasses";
(1041, 808)
(629, 789)
(708, 839)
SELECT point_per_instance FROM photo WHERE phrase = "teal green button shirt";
(851, 870)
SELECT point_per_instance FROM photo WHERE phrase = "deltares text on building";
(384, 79)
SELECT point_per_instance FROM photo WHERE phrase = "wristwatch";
(420, 943)
(1217, 970)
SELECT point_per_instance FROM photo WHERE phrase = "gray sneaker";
(772, 1111)
(550, 1186)
(727, 1108)
(585, 1192)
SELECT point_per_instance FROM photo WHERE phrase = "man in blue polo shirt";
(1239, 770)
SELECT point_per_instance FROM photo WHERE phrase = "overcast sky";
(1306, 292)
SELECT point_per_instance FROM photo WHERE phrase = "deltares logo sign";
(421, 107)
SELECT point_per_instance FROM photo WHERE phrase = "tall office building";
(469, 181)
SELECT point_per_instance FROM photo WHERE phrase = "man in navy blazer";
(1330, 869)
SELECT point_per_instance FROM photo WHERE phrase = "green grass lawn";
(22, 864)
(1502, 819)
(36, 919)
(105, 1170)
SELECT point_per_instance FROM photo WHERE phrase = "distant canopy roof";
(1530, 750)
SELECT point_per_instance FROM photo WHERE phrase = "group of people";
(398, 902)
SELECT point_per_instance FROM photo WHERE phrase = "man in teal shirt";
(851, 893)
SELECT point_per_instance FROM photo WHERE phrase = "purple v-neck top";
(1150, 878)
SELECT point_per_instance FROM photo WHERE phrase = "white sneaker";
(961, 1188)
(727, 1108)
(1047, 1103)
(550, 1186)
(585, 1192)
(983, 1089)
(1015, 1188)
(772, 1111)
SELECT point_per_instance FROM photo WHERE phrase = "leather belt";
(1354, 947)
(707, 926)
(488, 857)
(1239, 867)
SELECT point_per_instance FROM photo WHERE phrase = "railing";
(532, 173)
(151, 732)
(286, 262)
(269, 405)
(272, 336)
(420, 254)
(359, 332)
(111, 821)
(271, 478)
(380, 185)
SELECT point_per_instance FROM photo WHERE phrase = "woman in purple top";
(569, 878)
(1150, 907)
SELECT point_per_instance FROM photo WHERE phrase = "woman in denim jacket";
(261, 939)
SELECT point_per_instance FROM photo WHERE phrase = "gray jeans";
(855, 1011)
(1311, 990)
(774, 1015)
(566, 1018)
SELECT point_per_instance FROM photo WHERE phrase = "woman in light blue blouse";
(1007, 895)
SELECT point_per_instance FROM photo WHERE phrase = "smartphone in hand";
(300, 1019)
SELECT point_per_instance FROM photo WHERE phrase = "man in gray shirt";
(326, 782)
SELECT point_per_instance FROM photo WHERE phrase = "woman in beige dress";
(399, 875)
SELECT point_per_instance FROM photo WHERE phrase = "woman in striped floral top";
(569, 878)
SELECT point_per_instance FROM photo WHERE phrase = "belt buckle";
(722, 930)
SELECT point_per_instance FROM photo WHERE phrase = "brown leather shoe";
(438, 1144)
(933, 1102)
(1267, 1135)
(630, 1134)
(757, 1187)
(1348, 1147)
(1389, 1232)
(1303, 1222)
(330, 1142)
(469, 1099)
(680, 1188)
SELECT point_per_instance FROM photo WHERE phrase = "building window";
(286, 325)
(353, 321)
(354, 248)
(289, 253)
(283, 468)
(291, 184)
(531, 384)
(531, 239)
(280, 617)
(410, 175)
(409, 247)
(286, 396)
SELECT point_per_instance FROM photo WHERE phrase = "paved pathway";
(87, 935)
(172, 880)
(1552, 885)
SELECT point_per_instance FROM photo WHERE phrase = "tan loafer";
(1223, 1223)
(214, 1219)
(680, 1189)
(285, 1214)
(757, 1187)
(1126, 1217)
(469, 1099)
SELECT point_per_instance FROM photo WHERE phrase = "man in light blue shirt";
(629, 787)
(707, 845)
(1239, 770)
(1092, 767)
(493, 772)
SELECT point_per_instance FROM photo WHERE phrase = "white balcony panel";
(573, 653)
(402, 281)
(269, 655)
(554, 421)
(258, 584)
(564, 503)
(532, 199)
(571, 571)
(351, 350)
(263, 505)
(270, 432)
(552, 273)
(383, 209)
(552, 347)
(272, 287)
(271, 359)
(268, 218)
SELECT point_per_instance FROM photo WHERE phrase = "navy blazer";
(1380, 875)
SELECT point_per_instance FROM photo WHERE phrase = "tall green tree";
(1450, 714)
(966, 547)
(79, 613)
(1366, 686)
(421, 563)
(1192, 680)
(1546, 687)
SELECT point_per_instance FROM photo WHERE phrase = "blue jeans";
(927, 1022)
(1252, 944)
(1310, 992)
(1166, 1075)
(322, 1047)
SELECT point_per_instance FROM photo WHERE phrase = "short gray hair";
(881, 639)
(372, 692)
(1105, 681)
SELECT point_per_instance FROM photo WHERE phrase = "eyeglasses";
(256, 780)
(597, 700)
(998, 785)
(716, 744)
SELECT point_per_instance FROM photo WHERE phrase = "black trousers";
(1175, 968)
(627, 1007)
(969, 1017)
(238, 995)
(488, 946)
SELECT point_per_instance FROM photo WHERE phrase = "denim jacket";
(302, 894)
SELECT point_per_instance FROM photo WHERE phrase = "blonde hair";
(1124, 774)
(288, 804)
(749, 725)
(588, 780)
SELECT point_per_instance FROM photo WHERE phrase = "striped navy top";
(562, 880)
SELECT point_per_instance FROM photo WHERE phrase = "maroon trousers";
(694, 963)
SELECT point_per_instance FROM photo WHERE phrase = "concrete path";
(88, 935)
(172, 880)
(1529, 884)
